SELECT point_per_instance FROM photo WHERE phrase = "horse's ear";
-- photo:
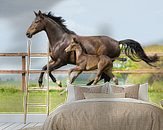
(40, 14)
(35, 13)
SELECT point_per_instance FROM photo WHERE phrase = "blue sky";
(141, 20)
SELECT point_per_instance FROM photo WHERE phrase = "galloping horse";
(60, 37)
(86, 62)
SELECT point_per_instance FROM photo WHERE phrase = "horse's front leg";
(78, 69)
(40, 81)
(70, 71)
(52, 66)
(74, 77)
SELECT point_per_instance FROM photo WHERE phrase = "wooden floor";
(17, 126)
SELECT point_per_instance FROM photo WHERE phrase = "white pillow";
(71, 91)
(143, 92)
(103, 95)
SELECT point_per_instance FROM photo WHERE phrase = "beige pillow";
(75, 92)
(79, 91)
(103, 95)
(105, 87)
(131, 91)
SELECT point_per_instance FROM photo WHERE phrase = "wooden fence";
(23, 71)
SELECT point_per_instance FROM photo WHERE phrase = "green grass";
(155, 97)
(10, 84)
(11, 100)
(155, 89)
(154, 48)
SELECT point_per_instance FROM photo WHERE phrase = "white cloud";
(141, 20)
(69, 8)
(121, 19)
(7, 32)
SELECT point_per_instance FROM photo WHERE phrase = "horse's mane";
(60, 21)
(83, 48)
(81, 45)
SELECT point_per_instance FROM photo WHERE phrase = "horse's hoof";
(40, 83)
(59, 83)
(93, 83)
(88, 84)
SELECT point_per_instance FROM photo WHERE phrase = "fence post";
(23, 85)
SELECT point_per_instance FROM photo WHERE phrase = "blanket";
(105, 114)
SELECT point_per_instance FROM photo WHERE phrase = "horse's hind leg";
(97, 78)
(103, 76)
(115, 79)
(100, 69)
(112, 76)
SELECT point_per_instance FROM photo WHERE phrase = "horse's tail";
(136, 53)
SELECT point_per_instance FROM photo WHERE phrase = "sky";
(141, 20)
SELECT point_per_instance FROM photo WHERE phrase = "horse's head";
(37, 25)
(72, 46)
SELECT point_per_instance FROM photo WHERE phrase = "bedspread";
(106, 114)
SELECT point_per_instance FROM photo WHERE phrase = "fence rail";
(23, 54)
(23, 71)
(160, 54)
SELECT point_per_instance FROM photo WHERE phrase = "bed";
(98, 112)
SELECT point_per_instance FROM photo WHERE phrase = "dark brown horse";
(60, 37)
(86, 62)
